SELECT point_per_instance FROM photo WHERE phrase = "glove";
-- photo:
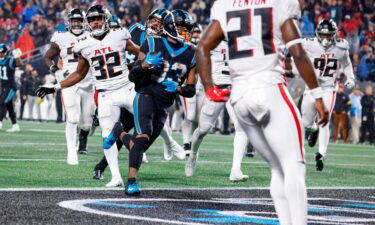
(45, 90)
(156, 61)
(53, 68)
(215, 94)
(349, 83)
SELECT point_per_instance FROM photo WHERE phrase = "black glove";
(43, 91)
(53, 68)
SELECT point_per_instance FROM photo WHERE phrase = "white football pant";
(79, 109)
(273, 125)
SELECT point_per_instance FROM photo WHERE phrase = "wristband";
(57, 86)
(316, 92)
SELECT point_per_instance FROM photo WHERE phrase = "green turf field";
(36, 158)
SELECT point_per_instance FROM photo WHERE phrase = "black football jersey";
(7, 68)
(138, 33)
(179, 59)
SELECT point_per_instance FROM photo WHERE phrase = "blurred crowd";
(30, 24)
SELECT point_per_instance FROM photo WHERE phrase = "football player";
(210, 112)
(164, 63)
(328, 53)
(77, 100)
(8, 64)
(103, 53)
(139, 34)
(192, 105)
(256, 32)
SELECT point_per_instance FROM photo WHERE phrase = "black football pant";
(6, 104)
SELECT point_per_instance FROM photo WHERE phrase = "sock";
(166, 134)
(71, 137)
(323, 139)
(196, 140)
(111, 155)
(186, 129)
(239, 148)
(131, 180)
(83, 139)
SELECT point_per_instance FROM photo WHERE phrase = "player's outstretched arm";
(50, 55)
(132, 47)
(293, 41)
(210, 40)
(348, 71)
(80, 73)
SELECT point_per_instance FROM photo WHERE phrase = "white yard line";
(173, 189)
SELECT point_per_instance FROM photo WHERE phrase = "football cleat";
(132, 189)
(319, 161)
(113, 136)
(97, 175)
(173, 149)
(190, 164)
(238, 176)
(82, 146)
(312, 137)
(15, 128)
(168, 155)
(82, 151)
(187, 148)
(115, 182)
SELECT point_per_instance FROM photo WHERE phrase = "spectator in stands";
(355, 114)
(368, 116)
(340, 117)
(32, 83)
(307, 27)
(23, 92)
(366, 68)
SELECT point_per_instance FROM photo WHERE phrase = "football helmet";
(196, 33)
(114, 22)
(76, 21)
(326, 32)
(94, 13)
(4, 49)
(184, 23)
(155, 20)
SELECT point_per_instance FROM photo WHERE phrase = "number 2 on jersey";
(103, 60)
(246, 25)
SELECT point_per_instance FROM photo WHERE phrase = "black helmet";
(159, 14)
(114, 22)
(184, 23)
(98, 11)
(4, 49)
(76, 27)
(196, 33)
(169, 27)
(326, 32)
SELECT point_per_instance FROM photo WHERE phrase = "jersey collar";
(173, 52)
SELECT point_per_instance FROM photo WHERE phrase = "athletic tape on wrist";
(317, 92)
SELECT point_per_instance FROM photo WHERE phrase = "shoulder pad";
(342, 43)
(136, 26)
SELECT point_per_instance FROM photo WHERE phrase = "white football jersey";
(107, 58)
(220, 69)
(327, 62)
(255, 45)
(66, 42)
